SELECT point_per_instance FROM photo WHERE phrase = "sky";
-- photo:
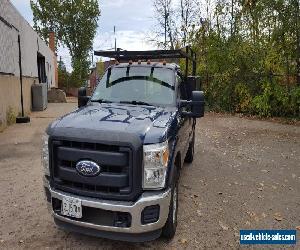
(132, 19)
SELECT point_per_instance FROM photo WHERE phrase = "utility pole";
(22, 118)
(115, 38)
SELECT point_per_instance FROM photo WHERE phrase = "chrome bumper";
(134, 208)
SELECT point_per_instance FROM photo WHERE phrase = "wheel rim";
(174, 205)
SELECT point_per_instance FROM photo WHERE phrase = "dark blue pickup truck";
(111, 167)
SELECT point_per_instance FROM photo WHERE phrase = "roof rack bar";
(187, 63)
(123, 55)
(149, 54)
(142, 57)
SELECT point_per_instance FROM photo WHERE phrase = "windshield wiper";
(101, 101)
(136, 103)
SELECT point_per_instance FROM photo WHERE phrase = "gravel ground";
(245, 175)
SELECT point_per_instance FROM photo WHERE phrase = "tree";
(165, 17)
(175, 23)
(100, 68)
(248, 51)
(189, 12)
(75, 24)
(63, 75)
(61, 65)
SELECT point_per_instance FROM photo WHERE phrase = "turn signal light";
(165, 157)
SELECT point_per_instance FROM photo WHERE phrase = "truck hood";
(151, 124)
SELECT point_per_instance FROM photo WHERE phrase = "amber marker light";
(165, 157)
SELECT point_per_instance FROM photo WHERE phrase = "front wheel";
(169, 229)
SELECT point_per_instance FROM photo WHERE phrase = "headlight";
(45, 155)
(156, 158)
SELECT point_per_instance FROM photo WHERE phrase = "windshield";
(137, 85)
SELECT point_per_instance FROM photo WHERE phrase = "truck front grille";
(115, 180)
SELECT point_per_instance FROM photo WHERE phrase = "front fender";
(173, 170)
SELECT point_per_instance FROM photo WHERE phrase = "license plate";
(71, 207)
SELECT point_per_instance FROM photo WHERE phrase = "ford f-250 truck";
(111, 167)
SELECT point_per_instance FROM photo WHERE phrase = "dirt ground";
(245, 175)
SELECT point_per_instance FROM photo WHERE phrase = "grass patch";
(11, 115)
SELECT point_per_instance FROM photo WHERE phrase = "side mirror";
(82, 97)
(198, 104)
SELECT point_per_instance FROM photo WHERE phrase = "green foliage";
(100, 68)
(64, 77)
(262, 103)
(249, 57)
(11, 115)
(75, 24)
(80, 72)
(295, 101)
(243, 98)
(277, 100)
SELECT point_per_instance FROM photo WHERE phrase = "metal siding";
(8, 41)
(31, 44)
(7, 47)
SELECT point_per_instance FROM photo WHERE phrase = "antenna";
(115, 38)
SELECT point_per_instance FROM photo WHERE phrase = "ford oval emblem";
(88, 168)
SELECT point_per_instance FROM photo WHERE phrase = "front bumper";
(133, 208)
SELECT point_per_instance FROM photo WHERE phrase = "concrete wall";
(12, 24)
(10, 98)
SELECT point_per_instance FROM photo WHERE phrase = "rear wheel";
(169, 229)
(190, 153)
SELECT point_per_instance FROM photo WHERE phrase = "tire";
(169, 229)
(190, 153)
